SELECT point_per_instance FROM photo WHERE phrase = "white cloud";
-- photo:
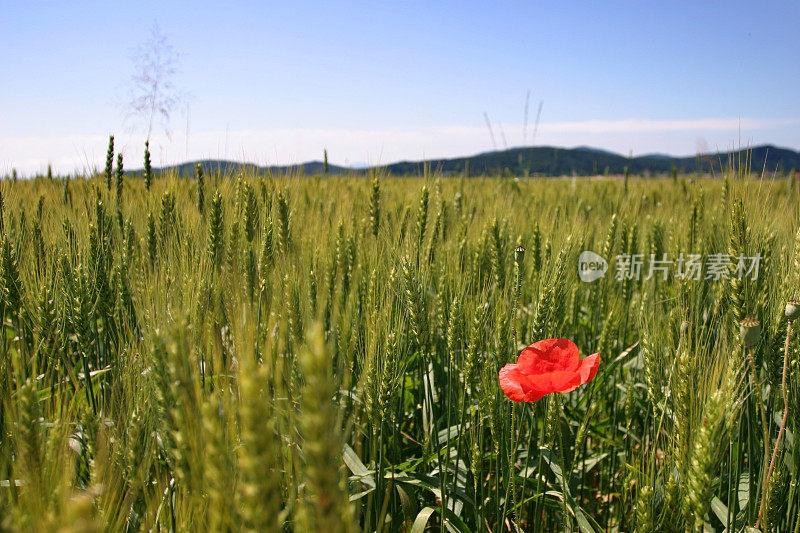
(82, 153)
(633, 125)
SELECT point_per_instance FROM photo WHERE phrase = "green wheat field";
(321, 354)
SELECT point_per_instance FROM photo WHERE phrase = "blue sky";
(376, 82)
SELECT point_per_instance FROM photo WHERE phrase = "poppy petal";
(551, 365)
(533, 395)
(562, 381)
(588, 367)
(519, 387)
(549, 355)
(510, 382)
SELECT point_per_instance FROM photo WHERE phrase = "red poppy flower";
(551, 365)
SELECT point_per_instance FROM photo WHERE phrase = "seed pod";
(519, 255)
(792, 310)
(750, 331)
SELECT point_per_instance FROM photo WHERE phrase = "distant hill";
(552, 161)
(210, 166)
(539, 160)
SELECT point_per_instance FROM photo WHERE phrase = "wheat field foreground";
(300, 353)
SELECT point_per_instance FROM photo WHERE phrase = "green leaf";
(405, 502)
(360, 472)
(591, 462)
(583, 522)
(446, 434)
(744, 489)
(454, 523)
(720, 509)
(580, 517)
(429, 483)
(354, 463)
(551, 462)
(422, 520)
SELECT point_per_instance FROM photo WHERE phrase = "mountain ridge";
(526, 161)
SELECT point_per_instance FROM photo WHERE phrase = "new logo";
(591, 266)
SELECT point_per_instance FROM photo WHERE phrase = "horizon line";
(85, 152)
